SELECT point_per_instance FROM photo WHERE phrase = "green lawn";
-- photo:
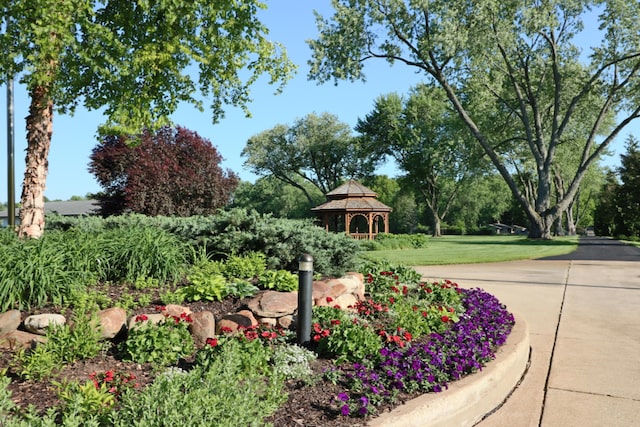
(476, 249)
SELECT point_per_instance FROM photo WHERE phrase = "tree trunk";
(571, 222)
(540, 226)
(39, 130)
(436, 226)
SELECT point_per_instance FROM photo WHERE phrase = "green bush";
(241, 231)
(280, 280)
(400, 241)
(204, 287)
(341, 335)
(205, 397)
(160, 344)
(246, 266)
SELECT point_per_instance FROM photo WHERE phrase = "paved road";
(600, 249)
(583, 313)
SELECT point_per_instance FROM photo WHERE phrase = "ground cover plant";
(407, 338)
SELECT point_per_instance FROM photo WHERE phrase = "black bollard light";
(305, 284)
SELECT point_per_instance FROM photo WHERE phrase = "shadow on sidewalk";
(599, 249)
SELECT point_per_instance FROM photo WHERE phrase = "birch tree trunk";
(39, 131)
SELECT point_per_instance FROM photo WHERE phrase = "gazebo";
(354, 209)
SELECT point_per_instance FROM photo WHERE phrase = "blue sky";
(290, 22)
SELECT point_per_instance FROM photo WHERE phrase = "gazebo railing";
(362, 236)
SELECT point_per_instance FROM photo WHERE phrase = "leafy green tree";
(481, 203)
(512, 72)
(269, 195)
(405, 215)
(627, 196)
(424, 136)
(320, 150)
(606, 212)
(134, 60)
(171, 172)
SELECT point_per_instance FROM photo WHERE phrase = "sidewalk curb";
(470, 399)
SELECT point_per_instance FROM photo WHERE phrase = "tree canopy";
(173, 171)
(135, 59)
(425, 137)
(514, 73)
(318, 149)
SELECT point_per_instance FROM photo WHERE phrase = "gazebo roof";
(352, 196)
(351, 188)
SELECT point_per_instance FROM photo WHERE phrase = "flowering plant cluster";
(429, 365)
(160, 344)
(115, 382)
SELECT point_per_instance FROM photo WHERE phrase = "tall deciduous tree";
(510, 69)
(131, 57)
(318, 149)
(424, 136)
(628, 194)
(168, 172)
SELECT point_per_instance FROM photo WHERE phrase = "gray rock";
(38, 323)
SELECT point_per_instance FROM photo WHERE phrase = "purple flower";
(343, 397)
(344, 410)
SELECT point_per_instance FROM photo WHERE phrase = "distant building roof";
(67, 208)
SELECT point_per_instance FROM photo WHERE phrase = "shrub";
(160, 344)
(338, 334)
(280, 280)
(205, 396)
(246, 266)
(238, 231)
(205, 287)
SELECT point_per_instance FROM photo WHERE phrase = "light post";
(11, 198)
(305, 285)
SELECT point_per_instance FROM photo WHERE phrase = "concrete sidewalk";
(584, 324)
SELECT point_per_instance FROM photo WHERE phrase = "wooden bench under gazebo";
(354, 209)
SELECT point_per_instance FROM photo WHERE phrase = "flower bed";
(407, 338)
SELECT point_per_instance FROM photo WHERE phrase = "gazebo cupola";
(354, 209)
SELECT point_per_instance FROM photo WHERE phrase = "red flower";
(407, 336)
(335, 322)
(160, 308)
(329, 299)
(212, 342)
(141, 318)
(405, 290)
(445, 319)
(317, 338)
(392, 300)
(226, 330)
